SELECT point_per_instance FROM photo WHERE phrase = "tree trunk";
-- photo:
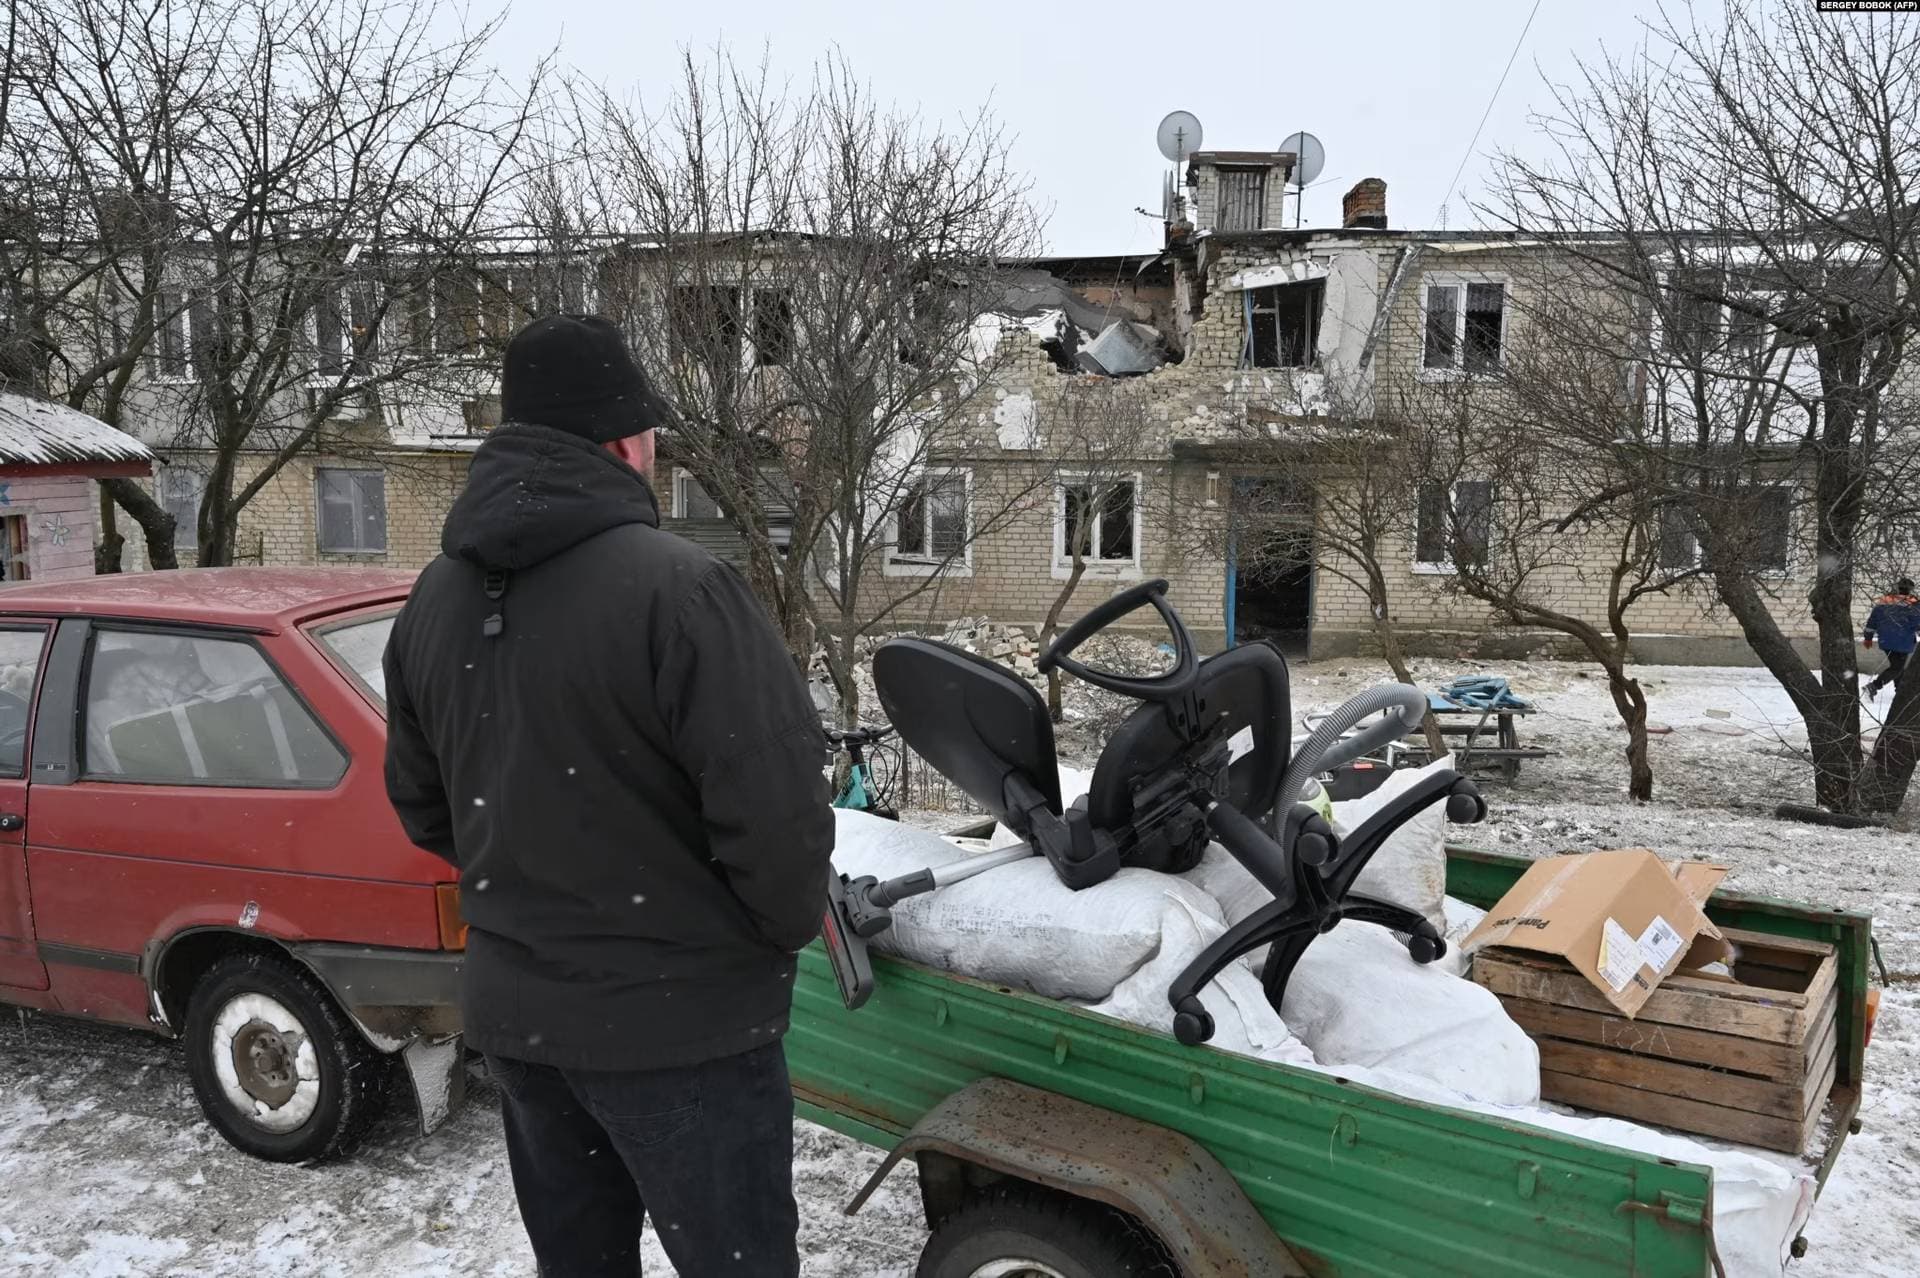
(1631, 701)
(107, 555)
(156, 525)
(1883, 787)
(1396, 655)
(1056, 708)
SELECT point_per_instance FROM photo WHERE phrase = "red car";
(195, 841)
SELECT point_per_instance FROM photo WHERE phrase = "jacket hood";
(535, 492)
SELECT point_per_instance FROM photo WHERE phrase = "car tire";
(277, 1067)
(1033, 1233)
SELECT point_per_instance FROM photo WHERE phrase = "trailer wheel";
(277, 1068)
(1031, 1233)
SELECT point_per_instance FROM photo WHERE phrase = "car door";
(22, 652)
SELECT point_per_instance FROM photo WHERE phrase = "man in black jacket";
(598, 725)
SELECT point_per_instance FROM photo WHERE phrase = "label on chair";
(1240, 743)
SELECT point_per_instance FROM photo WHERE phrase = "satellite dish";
(1179, 135)
(1312, 158)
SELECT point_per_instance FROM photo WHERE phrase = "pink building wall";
(62, 522)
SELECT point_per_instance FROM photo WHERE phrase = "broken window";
(1243, 199)
(772, 326)
(341, 325)
(1465, 326)
(706, 326)
(1485, 318)
(932, 521)
(1283, 324)
(16, 552)
(1461, 514)
(1099, 520)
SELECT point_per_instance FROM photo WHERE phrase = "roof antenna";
(1178, 137)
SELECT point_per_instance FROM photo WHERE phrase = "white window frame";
(1459, 280)
(1112, 569)
(184, 319)
(681, 478)
(186, 532)
(961, 565)
(1446, 567)
(386, 517)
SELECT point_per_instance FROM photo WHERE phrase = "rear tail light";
(446, 909)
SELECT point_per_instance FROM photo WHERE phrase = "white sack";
(1243, 1020)
(1410, 868)
(1356, 998)
(1017, 925)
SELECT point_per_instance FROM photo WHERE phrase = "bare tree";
(817, 280)
(298, 178)
(1095, 433)
(1754, 187)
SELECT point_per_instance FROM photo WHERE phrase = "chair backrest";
(977, 723)
(1244, 692)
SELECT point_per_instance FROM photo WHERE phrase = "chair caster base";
(1192, 1023)
(1426, 946)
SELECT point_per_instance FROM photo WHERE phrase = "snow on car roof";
(220, 596)
(39, 432)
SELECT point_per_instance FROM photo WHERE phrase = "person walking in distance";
(1894, 623)
(596, 722)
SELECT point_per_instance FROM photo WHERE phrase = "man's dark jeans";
(1896, 662)
(706, 1150)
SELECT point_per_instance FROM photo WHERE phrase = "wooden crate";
(1749, 1059)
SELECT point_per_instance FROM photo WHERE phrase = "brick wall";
(279, 525)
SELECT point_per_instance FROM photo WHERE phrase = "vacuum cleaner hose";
(1326, 749)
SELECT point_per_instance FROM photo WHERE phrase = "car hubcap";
(1015, 1268)
(265, 1062)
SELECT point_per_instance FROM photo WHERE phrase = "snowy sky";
(1393, 88)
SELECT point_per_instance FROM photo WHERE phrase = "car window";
(192, 710)
(359, 646)
(19, 665)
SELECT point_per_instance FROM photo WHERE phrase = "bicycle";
(869, 782)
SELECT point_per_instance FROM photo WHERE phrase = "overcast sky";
(1393, 88)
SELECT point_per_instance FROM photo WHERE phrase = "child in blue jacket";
(1895, 623)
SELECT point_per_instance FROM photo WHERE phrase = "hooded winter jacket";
(598, 724)
(1894, 623)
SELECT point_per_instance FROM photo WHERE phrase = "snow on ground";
(106, 1169)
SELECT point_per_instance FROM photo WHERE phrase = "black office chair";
(1205, 757)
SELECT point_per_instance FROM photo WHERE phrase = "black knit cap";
(574, 373)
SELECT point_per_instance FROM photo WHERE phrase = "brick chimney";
(1365, 205)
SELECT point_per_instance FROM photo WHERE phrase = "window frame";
(681, 478)
(8, 556)
(189, 528)
(14, 625)
(1447, 567)
(158, 365)
(83, 695)
(780, 301)
(319, 522)
(1252, 314)
(928, 564)
(1462, 281)
(1062, 567)
(317, 633)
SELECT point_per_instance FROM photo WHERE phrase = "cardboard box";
(1624, 920)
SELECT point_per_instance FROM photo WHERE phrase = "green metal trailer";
(1238, 1166)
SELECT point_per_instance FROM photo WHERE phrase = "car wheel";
(1028, 1233)
(279, 1070)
